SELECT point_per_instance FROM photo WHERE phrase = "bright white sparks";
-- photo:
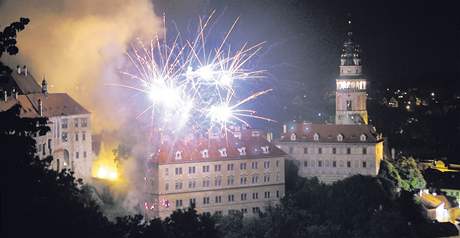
(190, 85)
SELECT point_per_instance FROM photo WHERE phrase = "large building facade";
(69, 138)
(332, 152)
(218, 175)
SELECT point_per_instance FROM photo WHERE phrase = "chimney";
(5, 96)
(40, 107)
(14, 94)
(44, 86)
(18, 69)
(24, 68)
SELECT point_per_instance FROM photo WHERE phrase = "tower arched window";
(293, 137)
(316, 137)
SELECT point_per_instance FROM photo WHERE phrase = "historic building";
(69, 140)
(335, 151)
(220, 174)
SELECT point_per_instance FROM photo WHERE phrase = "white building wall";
(78, 140)
(261, 176)
(330, 167)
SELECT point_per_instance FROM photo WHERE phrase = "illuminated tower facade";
(351, 95)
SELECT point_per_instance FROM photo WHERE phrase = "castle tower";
(351, 95)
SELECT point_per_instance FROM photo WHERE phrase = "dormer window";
(205, 154)
(339, 137)
(242, 151)
(223, 152)
(316, 137)
(293, 137)
(363, 137)
(265, 149)
(178, 155)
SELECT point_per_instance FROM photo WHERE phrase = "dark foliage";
(8, 36)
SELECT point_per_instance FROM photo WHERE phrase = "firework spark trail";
(188, 84)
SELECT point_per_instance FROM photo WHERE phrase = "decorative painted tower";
(351, 95)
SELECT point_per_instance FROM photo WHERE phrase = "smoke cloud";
(79, 47)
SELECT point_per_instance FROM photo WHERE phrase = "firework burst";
(191, 86)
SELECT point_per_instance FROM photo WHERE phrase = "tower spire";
(351, 93)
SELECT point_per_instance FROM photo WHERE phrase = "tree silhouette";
(8, 36)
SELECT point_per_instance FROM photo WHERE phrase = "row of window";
(206, 183)
(223, 152)
(45, 147)
(229, 198)
(319, 150)
(65, 136)
(218, 167)
(77, 154)
(77, 122)
(340, 137)
(327, 163)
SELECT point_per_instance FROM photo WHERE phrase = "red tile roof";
(54, 104)
(191, 149)
(328, 133)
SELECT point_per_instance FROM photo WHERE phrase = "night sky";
(404, 43)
